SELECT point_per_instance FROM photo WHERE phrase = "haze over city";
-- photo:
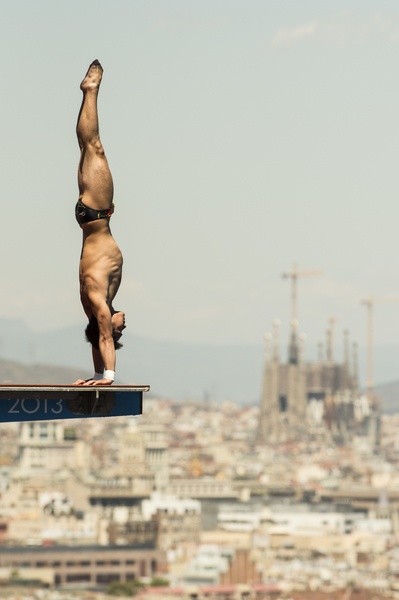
(243, 137)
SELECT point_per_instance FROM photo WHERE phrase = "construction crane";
(369, 303)
(294, 274)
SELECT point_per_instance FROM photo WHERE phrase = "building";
(143, 452)
(87, 565)
(320, 398)
(214, 565)
(49, 446)
(179, 520)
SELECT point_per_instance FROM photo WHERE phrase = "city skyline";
(165, 486)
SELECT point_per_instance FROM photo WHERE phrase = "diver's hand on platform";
(96, 377)
(98, 382)
(80, 382)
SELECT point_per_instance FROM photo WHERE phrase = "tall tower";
(284, 402)
(283, 405)
(320, 398)
(269, 424)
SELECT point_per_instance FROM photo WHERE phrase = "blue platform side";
(34, 403)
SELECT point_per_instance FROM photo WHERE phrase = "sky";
(243, 137)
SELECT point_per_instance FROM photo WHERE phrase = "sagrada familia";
(320, 399)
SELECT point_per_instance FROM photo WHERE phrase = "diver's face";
(118, 324)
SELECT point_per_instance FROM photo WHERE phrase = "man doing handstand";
(100, 269)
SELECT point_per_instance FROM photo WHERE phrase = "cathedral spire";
(293, 348)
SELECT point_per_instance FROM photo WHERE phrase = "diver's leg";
(94, 177)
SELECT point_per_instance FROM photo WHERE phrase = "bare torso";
(100, 267)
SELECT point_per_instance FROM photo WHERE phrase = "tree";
(124, 588)
(159, 582)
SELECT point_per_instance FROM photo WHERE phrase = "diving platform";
(50, 402)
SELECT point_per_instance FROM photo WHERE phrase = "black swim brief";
(85, 214)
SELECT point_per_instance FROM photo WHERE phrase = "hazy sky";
(243, 136)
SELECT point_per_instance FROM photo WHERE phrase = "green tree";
(124, 588)
(159, 582)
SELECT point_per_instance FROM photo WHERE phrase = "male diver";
(100, 269)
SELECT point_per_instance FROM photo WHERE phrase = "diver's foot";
(93, 77)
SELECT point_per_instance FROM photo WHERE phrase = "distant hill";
(16, 372)
(173, 369)
(176, 370)
(12, 371)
